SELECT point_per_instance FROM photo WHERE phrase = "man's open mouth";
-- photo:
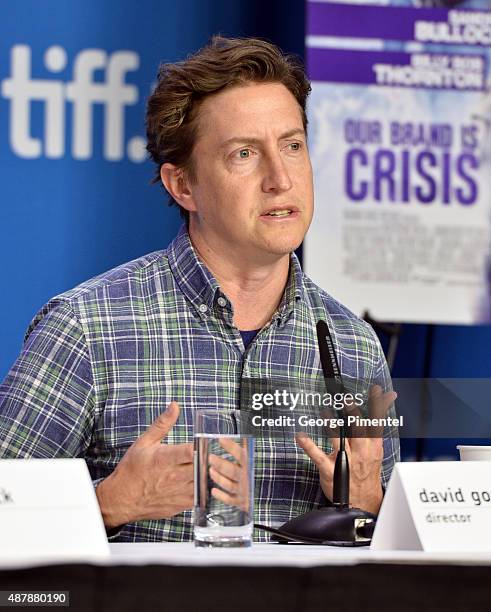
(279, 213)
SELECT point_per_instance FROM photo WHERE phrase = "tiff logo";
(83, 93)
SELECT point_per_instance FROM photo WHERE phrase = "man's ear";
(176, 182)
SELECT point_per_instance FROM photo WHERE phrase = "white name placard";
(436, 506)
(48, 511)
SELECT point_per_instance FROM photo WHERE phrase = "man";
(182, 328)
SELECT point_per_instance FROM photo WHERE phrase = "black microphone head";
(329, 362)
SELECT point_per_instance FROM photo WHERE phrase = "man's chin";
(283, 246)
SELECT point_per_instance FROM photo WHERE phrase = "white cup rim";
(481, 447)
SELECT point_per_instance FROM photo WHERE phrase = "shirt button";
(203, 308)
(222, 301)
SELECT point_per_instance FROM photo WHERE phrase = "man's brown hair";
(172, 109)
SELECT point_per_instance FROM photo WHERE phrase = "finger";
(336, 443)
(184, 500)
(318, 456)
(224, 497)
(226, 467)
(330, 413)
(232, 447)
(356, 430)
(353, 409)
(180, 475)
(161, 426)
(172, 454)
(188, 476)
(376, 409)
(229, 485)
(336, 446)
(350, 405)
(185, 478)
(379, 404)
(239, 501)
(166, 503)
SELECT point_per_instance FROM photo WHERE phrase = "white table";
(290, 555)
(258, 555)
(266, 577)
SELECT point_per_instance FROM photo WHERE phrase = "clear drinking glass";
(223, 480)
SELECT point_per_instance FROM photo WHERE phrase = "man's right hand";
(152, 480)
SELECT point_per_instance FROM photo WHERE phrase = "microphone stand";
(340, 491)
(336, 525)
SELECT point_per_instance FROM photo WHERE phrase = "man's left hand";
(365, 454)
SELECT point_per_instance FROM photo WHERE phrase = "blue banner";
(75, 196)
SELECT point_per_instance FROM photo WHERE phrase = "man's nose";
(276, 177)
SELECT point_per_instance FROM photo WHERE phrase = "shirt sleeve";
(47, 398)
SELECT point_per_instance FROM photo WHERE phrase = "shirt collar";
(193, 277)
(201, 288)
(294, 291)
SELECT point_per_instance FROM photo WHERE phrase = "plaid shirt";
(102, 361)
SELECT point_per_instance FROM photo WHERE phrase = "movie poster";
(400, 140)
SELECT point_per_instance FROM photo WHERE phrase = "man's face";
(253, 194)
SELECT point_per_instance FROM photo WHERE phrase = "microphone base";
(330, 527)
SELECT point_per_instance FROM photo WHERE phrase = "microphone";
(334, 384)
(336, 525)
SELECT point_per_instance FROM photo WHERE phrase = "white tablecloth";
(260, 554)
(277, 555)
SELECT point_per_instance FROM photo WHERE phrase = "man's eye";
(244, 153)
(295, 146)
